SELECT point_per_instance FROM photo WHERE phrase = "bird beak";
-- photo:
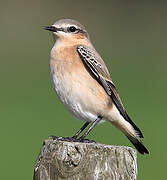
(50, 28)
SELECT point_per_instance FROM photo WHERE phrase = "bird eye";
(72, 29)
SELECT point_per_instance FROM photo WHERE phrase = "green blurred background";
(131, 38)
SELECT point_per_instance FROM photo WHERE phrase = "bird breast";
(76, 88)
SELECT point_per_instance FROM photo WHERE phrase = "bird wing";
(95, 65)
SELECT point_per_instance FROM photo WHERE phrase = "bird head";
(68, 28)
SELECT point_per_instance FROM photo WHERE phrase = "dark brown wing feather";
(99, 71)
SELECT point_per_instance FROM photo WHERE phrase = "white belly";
(71, 96)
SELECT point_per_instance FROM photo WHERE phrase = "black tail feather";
(138, 145)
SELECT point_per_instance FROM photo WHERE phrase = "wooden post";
(60, 160)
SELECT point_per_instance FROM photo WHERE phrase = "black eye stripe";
(60, 29)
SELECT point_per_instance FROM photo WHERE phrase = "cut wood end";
(75, 159)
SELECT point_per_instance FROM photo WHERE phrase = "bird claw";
(86, 140)
(71, 139)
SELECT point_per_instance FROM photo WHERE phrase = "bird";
(83, 83)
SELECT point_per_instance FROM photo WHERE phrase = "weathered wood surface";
(59, 160)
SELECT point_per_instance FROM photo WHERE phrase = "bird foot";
(71, 139)
(86, 140)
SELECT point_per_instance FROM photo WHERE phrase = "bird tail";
(138, 145)
(132, 134)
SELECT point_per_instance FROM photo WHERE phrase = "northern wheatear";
(83, 84)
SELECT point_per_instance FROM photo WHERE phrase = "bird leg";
(73, 138)
(82, 128)
(82, 138)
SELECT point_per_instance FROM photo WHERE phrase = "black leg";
(90, 128)
(82, 128)
(82, 138)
